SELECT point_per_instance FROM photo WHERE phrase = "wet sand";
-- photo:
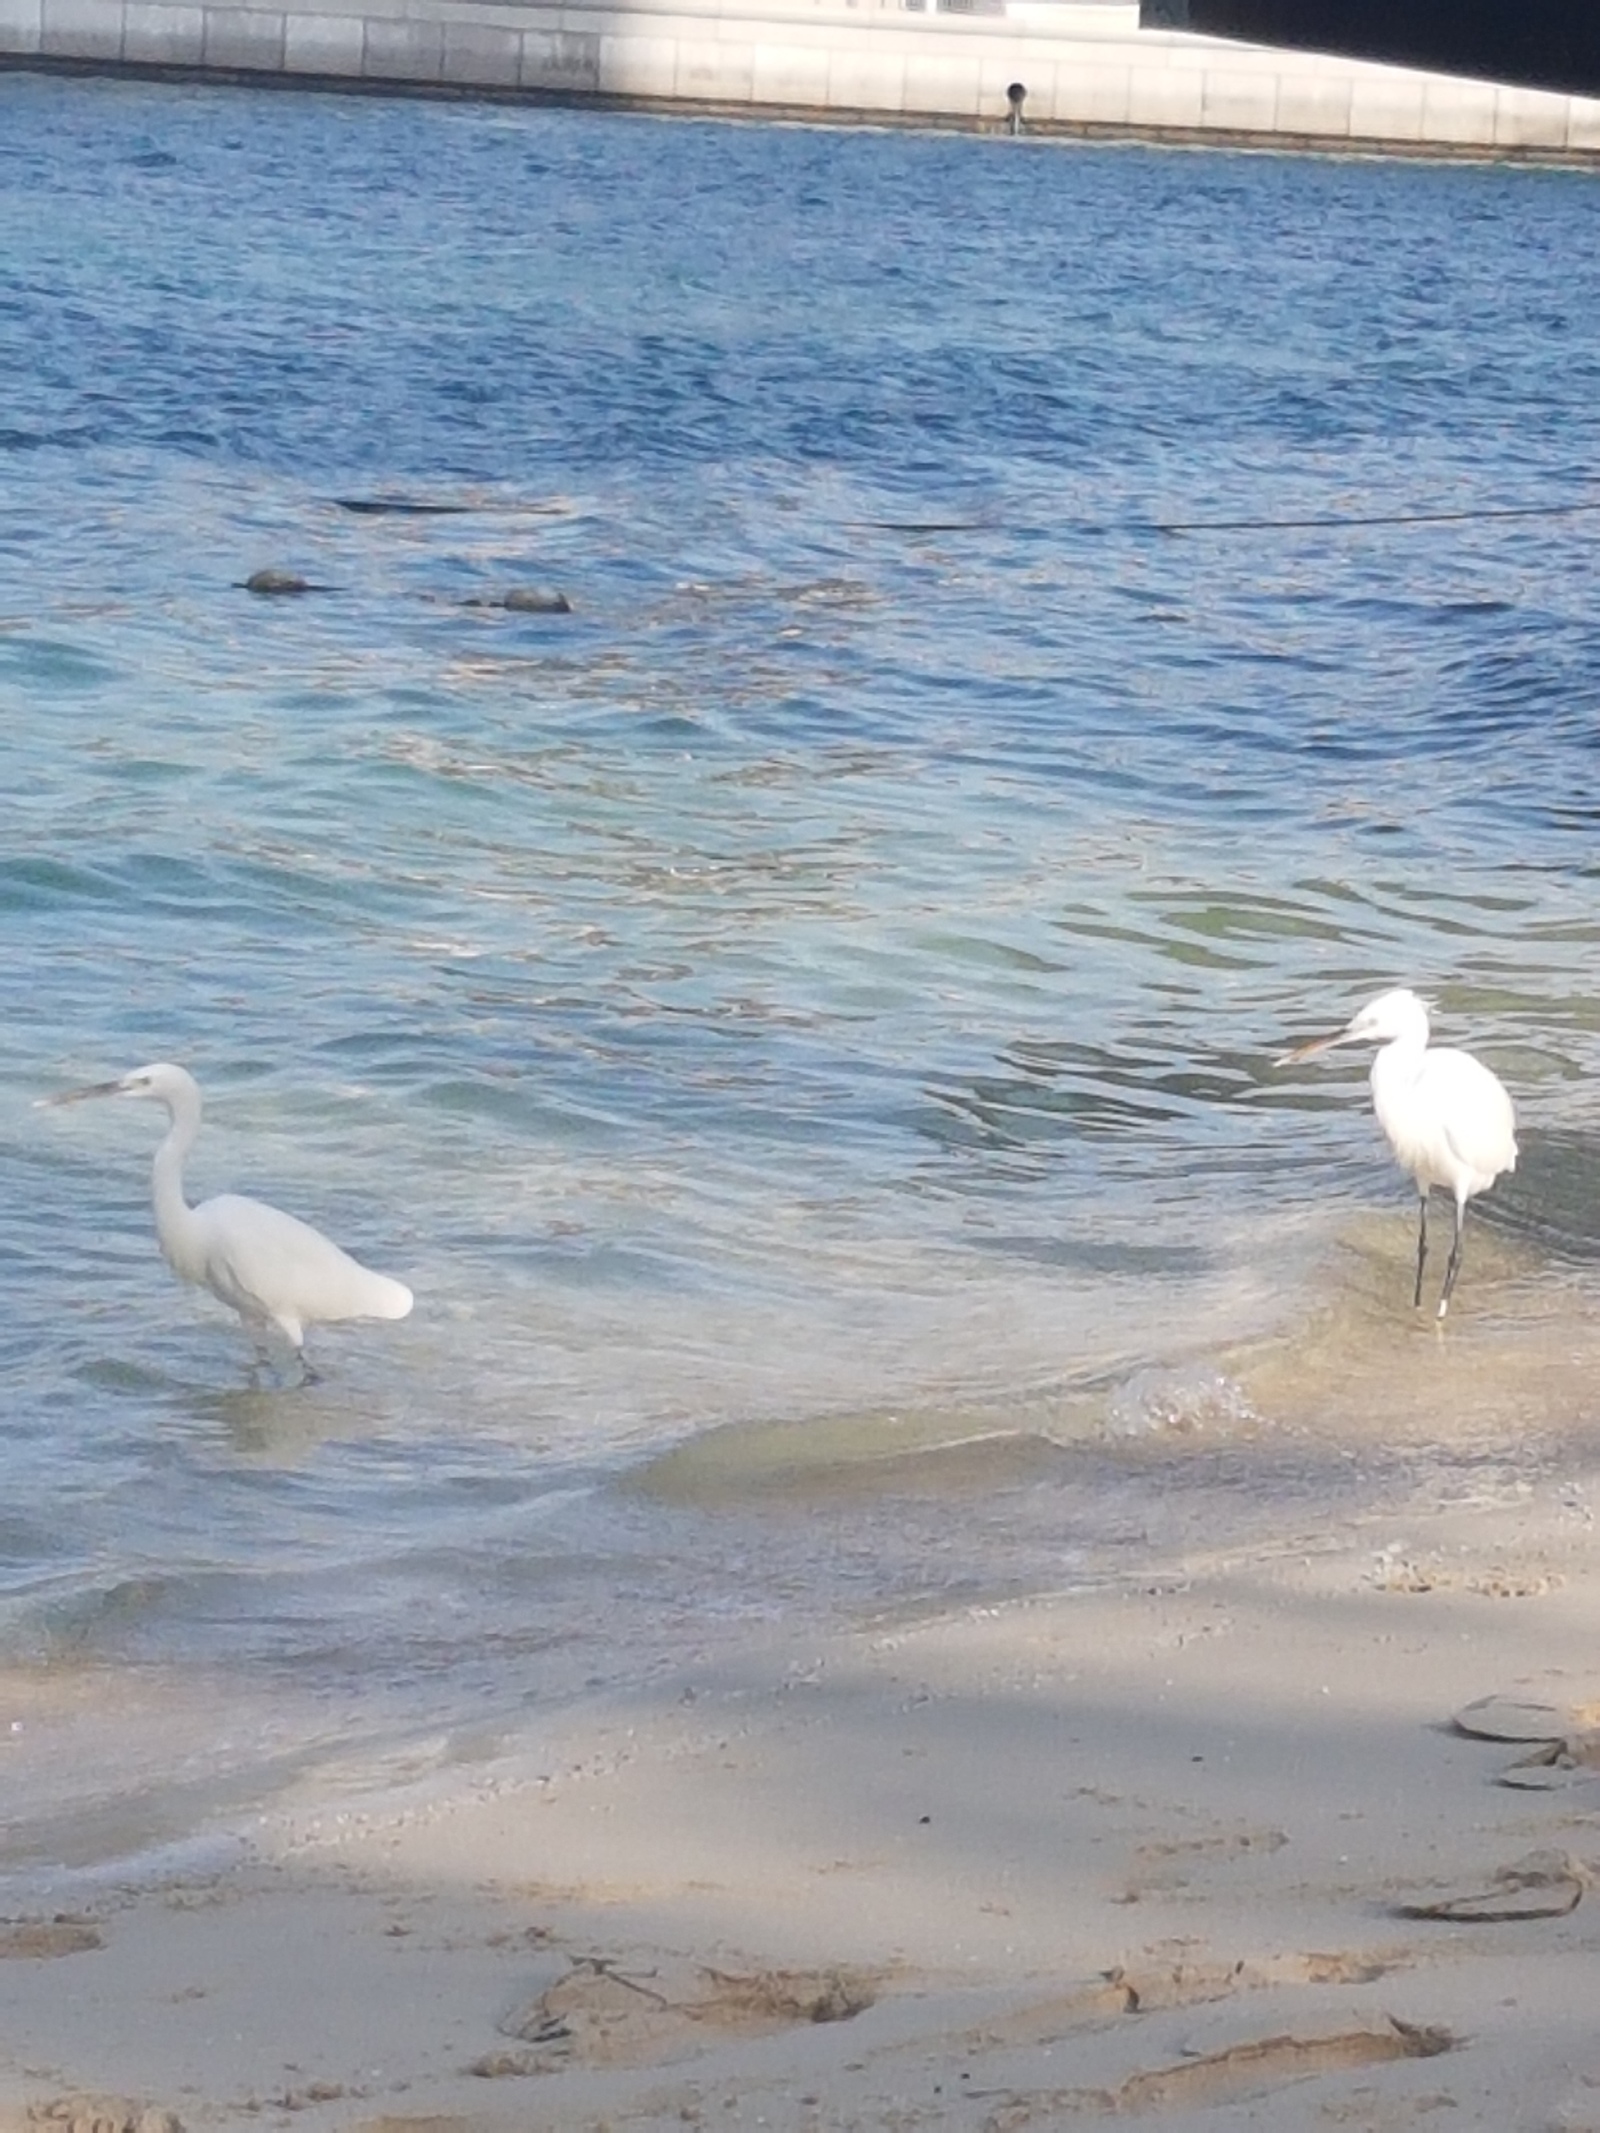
(1143, 1852)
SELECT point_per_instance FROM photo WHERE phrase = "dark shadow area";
(1545, 44)
(1553, 1196)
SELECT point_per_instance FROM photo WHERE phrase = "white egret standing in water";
(271, 1268)
(1447, 1118)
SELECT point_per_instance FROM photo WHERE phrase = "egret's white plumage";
(1447, 1118)
(271, 1268)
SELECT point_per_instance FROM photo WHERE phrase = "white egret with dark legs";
(1447, 1118)
(274, 1270)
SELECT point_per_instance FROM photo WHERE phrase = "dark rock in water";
(526, 600)
(281, 581)
(398, 506)
(428, 507)
(536, 600)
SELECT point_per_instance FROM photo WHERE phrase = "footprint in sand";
(604, 2014)
(1224, 2077)
(40, 1939)
(1541, 1884)
(1565, 1733)
(94, 2114)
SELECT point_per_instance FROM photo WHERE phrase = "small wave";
(1189, 1401)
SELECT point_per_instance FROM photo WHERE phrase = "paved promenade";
(1084, 68)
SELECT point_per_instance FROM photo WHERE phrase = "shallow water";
(806, 1016)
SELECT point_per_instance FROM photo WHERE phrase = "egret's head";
(1392, 1015)
(163, 1083)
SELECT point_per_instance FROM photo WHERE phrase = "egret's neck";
(175, 1222)
(1399, 1062)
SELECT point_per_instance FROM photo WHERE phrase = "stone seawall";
(1085, 68)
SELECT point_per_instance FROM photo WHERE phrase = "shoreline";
(1085, 69)
(1084, 133)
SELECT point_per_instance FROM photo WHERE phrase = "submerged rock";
(399, 507)
(281, 581)
(525, 600)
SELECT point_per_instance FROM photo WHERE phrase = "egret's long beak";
(1310, 1051)
(77, 1096)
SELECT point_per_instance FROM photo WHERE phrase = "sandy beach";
(1151, 1851)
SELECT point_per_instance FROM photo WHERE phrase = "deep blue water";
(830, 977)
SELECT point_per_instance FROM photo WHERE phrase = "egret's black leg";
(1422, 1247)
(1453, 1265)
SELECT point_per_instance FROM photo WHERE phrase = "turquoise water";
(812, 1004)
